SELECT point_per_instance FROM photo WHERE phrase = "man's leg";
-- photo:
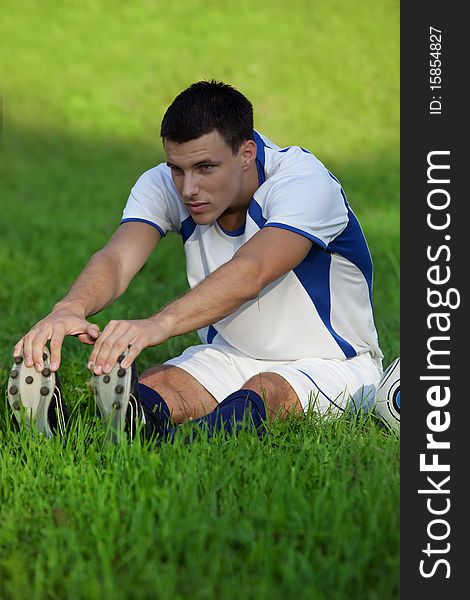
(171, 394)
(279, 397)
(162, 396)
(185, 397)
(266, 394)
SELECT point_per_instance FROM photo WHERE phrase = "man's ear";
(248, 152)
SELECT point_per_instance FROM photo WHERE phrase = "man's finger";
(18, 349)
(103, 346)
(27, 350)
(109, 352)
(89, 336)
(119, 347)
(93, 331)
(100, 351)
(55, 344)
(86, 339)
(34, 348)
(131, 355)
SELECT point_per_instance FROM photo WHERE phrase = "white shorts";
(323, 385)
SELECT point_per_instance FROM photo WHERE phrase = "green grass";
(311, 510)
(299, 514)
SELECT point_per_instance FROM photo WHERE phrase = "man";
(280, 277)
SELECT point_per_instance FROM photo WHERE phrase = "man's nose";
(190, 188)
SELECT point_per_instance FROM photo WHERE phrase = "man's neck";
(234, 218)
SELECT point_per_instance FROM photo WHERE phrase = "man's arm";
(268, 255)
(105, 278)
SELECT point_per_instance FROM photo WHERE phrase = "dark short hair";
(208, 106)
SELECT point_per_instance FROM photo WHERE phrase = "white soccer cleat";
(117, 399)
(36, 398)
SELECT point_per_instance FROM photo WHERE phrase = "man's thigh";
(214, 366)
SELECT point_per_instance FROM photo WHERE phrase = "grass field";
(310, 511)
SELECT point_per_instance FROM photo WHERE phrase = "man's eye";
(175, 169)
(206, 167)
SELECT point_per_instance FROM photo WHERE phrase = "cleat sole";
(29, 394)
(112, 397)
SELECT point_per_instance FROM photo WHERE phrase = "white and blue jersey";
(323, 307)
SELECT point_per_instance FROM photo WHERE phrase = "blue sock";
(242, 408)
(156, 410)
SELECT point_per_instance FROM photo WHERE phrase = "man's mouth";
(197, 207)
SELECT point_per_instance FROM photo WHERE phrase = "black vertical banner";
(435, 246)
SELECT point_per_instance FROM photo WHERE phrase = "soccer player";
(280, 280)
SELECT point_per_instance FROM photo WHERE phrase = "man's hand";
(53, 329)
(117, 336)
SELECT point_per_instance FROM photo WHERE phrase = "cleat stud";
(29, 379)
(16, 405)
(18, 360)
(121, 358)
(119, 389)
(116, 404)
(46, 372)
(14, 374)
(44, 356)
(106, 378)
(44, 391)
(121, 372)
(13, 390)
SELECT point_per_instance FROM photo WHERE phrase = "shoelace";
(133, 408)
(59, 410)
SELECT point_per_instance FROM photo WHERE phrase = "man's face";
(209, 177)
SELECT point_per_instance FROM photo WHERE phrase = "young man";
(280, 277)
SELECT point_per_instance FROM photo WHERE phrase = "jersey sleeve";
(152, 200)
(311, 205)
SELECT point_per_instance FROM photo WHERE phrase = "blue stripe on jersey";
(234, 232)
(187, 228)
(299, 231)
(320, 391)
(261, 173)
(303, 150)
(211, 333)
(352, 244)
(255, 212)
(333, 177)
(162, 233)
(260, 158)
(314, 275)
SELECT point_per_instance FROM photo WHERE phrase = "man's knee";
(267, 385)
(184, 395)
(278, 395)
